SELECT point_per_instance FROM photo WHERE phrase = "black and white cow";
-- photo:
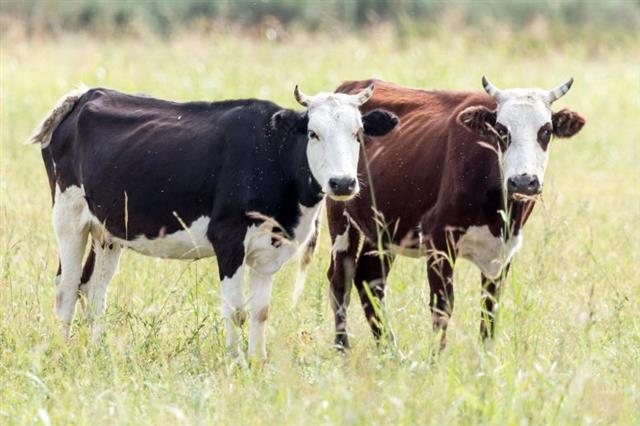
(243, 180)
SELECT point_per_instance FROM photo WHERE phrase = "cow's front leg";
(440, 274)
(491, 289)
(261, 285)
(233, 309)
(370, 281)
(227, 239)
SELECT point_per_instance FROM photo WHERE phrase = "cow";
(243, 180)
(458, 178)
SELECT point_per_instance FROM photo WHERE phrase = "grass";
(568, 345)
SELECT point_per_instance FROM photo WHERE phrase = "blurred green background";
(166, 17)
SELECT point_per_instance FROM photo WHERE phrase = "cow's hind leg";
(71, 230)
(370, 281)
(87, 271)
(440, 273)
(106, 257)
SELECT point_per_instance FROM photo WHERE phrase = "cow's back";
(140, 157)
(424, 156)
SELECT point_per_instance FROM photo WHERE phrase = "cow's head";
(523, 124)
(335, 128)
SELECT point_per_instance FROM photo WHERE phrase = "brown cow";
(436, 188)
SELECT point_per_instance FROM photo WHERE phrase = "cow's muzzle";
(524, 184)
(342, 188)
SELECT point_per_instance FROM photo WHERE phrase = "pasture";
(568, 341)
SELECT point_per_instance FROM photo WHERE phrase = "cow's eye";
(313, 135)
(544, 135)
(504, 134)
(502, 130)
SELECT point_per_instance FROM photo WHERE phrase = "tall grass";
(567, 349)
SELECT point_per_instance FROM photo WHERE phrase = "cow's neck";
(518, 212)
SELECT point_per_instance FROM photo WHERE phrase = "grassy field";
(568, 345)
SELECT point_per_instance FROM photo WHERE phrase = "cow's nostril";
(334, 183)
(352, 184)
(512, 185)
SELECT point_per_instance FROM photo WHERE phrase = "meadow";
(567, 349)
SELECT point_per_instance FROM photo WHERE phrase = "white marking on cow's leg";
(261, 285)
(106, 264)
(340, 243)
(70, 227)
(233, 309)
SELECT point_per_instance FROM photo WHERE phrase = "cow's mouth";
(339, 197)
(520, 197)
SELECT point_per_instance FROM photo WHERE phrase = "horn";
(490, 88)
(364, 95)
(301, 97)
(559, 91)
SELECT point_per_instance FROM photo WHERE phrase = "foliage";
(166, 17)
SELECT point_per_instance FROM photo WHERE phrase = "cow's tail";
(42, 134)
(303, 263)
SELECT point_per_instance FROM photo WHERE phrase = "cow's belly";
(490, 253)
(189, 243)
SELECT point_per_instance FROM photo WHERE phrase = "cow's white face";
(334, 131)
(523, 121)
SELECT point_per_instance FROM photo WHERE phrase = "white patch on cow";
(523, 112)
(263, 256)
(488, 252)
(335, 120)
(71, 227)
(233, 309)
(261, 285)
(264, 260)
(340, 243)
(189, 243)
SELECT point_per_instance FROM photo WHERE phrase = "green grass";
(568, 344)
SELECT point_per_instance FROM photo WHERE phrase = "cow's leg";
(440, 275)
(71, 232)
(87, 271)
(107, 256)
(343, 258)
(261, 285)
(228, 243)
(491, 289)
(370, 281)
(233, 309)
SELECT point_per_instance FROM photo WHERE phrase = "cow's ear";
(290, 121)
(379, 122)
(567, 123)
(478, 119)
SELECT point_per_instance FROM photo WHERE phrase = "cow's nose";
(342, 185)
(524, 184)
